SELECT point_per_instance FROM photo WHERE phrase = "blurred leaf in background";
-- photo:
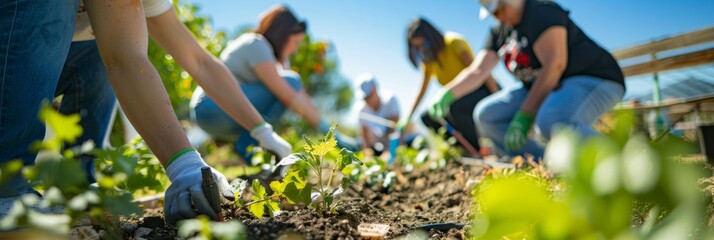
(317, 63)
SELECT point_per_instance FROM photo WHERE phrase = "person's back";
(244, 53)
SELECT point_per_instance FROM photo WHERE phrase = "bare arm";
(475, 75)
(120, 29)
(298, 101)
(467, 58)
(551, 50)
(210, 73)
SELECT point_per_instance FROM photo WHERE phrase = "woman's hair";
(276, 25)
(420, 27)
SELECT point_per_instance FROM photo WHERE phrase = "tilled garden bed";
(415, 199)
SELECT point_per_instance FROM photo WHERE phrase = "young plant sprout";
(295, 186)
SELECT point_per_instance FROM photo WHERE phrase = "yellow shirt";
(450, 63)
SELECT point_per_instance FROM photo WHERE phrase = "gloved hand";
(403, 123)
(184, 198)
(517, 133)
(271, 141)
(441, 103)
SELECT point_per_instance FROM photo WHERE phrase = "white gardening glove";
(184, 198)
(271, 141)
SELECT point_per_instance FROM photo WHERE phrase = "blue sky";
(370, 34)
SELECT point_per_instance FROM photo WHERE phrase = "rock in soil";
(83, 233)
(141, 233)
(129, 227)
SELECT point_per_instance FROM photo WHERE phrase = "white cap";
(366, 82)
(487, 8)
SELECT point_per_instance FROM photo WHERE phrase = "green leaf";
(330, 136)
(257, 209)
(295, 176)
(641, 165)
(277, 187)
(606, 178)
(120, 203)
(346, 183)
(57, 223)
(188, 227)
(10, 168)
(328, 200)
(231, 230)
(65, 127)
(67, 175)
(273, 208)
(239, 203)
(347, 157)
(298, 195)
(308, 143)
(258, 190)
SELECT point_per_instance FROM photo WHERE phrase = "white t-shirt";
(83, 30)
(388, 109)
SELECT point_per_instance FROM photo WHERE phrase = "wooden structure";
(678, 109)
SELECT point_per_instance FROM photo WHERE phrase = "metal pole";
(656, 95)
(657, 98)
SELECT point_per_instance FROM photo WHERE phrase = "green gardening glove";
(517, 133)
(440, 106)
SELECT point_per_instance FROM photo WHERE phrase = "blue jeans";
(35, 37)
(577, 103)
(85, 84)
(219, 125)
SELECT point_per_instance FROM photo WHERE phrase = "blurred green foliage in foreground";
(593, 188)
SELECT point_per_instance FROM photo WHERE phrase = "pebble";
(103, 234)
(140, 233)
(83, 233)
(128, 227)
(83, 222)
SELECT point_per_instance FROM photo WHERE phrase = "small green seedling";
(295, 187)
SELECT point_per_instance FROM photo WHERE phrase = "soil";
(417, 198)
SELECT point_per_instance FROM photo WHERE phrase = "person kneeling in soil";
(444, 56)
(568, 79)
(136, 83)
(259, 60)
(376, 112)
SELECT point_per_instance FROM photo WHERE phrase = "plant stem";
(255, 202)
(319, 178)
(332, 173)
